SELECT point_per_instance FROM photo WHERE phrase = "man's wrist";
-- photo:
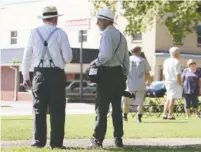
(97, 62)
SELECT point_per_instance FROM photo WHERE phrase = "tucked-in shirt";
(191, 81)
(136, 77)
(58, 45)
(108, 44)
(171, 69)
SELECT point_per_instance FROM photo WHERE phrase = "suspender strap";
(117, 46)
(46, 49)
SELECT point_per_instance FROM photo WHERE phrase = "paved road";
(25, 108)
(85, 143)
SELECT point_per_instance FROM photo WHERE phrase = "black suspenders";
(45, 48)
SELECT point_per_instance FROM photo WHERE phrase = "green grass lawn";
(81, 126)
(129, 149)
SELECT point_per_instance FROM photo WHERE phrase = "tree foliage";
(180, 17)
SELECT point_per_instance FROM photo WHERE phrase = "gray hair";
(173, 50)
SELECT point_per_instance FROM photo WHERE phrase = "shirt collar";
(49, 24)
(108, 27)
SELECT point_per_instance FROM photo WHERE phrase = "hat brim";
(100, 17)
(49, 16)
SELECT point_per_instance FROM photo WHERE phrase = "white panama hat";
(49, 12)
(107, 14)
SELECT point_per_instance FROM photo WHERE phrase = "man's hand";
(92, 63)
(125, 78)
(27, 84)
(148, 83)
(179, 80)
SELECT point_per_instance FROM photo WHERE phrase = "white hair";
(173, 50)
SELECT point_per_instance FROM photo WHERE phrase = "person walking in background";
(113, 59)
(172, 75)
(137, 80)
(47, 50)
(191, 78)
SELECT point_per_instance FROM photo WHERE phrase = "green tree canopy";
(180, 17)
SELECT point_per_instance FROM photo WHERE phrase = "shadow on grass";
(129, 148)
(164, 122)
(8, 119)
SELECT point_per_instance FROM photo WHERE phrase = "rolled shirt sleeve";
(106, 50)
(177, 68)
(26, 61)
(66, 50)
(147, 66)
(126, 61)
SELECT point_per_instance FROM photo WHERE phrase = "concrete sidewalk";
(25, 108)
(85, 143)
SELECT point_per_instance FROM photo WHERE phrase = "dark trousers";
(49, 90)
(109, 90)
(191, 99)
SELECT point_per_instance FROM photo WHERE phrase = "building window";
(137, 37)
(13, 37)
(199, 35)
(84, 36)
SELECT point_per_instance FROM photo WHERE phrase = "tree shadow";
(164, 122)
(130, 148)
(8, 119)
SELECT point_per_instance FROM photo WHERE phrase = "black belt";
(112, 67)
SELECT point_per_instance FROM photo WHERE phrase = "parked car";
(73, 91)
(156, 89)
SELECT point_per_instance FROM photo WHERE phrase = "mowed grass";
(128, 149)
(81, 126)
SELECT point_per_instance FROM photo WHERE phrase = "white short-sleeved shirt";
(136, 77)
(171, 69)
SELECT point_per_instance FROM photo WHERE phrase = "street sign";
(78, 24)
(82, 36)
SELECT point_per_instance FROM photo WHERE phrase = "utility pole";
(81, 65)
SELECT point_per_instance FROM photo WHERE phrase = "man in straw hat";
(138, 78)
(47, 50)
(114, 59)
(172, 75)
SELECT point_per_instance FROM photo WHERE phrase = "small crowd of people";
(48, 50)
(178, 84)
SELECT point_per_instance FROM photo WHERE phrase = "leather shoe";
(96, 143)
(59, 147)
(118, 142)
(37, 145)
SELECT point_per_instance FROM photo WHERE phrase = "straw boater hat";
(107, 14)
(49, 12)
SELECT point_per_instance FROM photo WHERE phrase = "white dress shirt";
(109, 42)
(59, 48)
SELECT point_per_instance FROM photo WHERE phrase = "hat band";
(106, 17)
(50, 13)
